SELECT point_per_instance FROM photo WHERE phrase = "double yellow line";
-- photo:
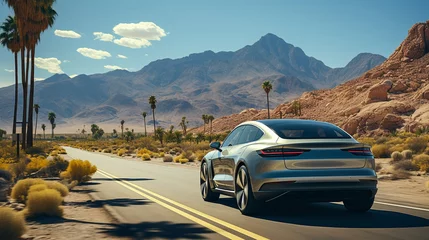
(174, 206)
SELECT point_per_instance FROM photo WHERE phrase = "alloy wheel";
(242, 189)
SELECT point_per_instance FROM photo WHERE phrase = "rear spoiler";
(312, 145)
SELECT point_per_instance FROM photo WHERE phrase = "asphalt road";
(159, 201)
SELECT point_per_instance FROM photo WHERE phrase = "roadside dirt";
(82, 220)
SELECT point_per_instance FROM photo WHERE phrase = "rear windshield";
(307, 130)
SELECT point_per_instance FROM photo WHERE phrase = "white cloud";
(93, 53)
(121, 56)
(138, 35)
(9, 70)
(105, 37)
(39, 79)
(73, 75)
(67, 34)
(132, 42)
(111, 67)
(66, 61)
(52, 65)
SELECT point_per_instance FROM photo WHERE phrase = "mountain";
(202, 83)
(390, 97)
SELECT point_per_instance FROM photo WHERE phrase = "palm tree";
(144, 114)
(43, 128)
(152, 102)
(9, 37)
(36, 110)
(122, 127)
(267, 88)
(42, 17)
(211, 118)
(51, 118)
(204, 117)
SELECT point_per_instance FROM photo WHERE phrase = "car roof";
(268, 122)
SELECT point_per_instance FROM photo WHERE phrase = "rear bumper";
(317, 186)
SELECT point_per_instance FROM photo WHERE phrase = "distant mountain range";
(202, 83)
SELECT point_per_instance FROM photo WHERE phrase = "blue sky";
(333, 31)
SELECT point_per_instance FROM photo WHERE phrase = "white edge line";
(402, 206)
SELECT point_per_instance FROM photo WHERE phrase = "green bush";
(12, 224)
(44, 203)
(396, 156)
(380, 151)
(407, 154)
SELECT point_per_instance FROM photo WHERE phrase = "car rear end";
(316, 166)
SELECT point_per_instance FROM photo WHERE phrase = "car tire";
(205, 187)
(246, 202)
(359, 204)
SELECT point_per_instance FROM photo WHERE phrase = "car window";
(233, 137)
(308, 131)
(250, 134)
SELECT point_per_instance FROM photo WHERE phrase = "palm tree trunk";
(268, 106)
(44, 136)
(153, 115)
(145, 133)
(31, 101)
(15, 108)
(24, 97)
(35, 129)
(52, 125)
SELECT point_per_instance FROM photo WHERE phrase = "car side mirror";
(216, 145)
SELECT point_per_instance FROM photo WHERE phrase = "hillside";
(202, 83)
(392, 96)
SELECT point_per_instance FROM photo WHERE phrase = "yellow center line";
(178, 211)
(201, 214)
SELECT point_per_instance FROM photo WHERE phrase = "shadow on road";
(142, 230)
(122, 179)
(117, 202)
(332, 215)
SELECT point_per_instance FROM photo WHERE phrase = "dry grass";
(79, 170)
(35, 164)
(44, 203)
(400, 174)
(21, 188)
(12, 224)
(406, 165)
(422, 161)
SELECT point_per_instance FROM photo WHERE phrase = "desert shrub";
(422, 161)
(146, 157)
(395, 141)
(167, 158)
(397, 148)
(121, 152)
(417, 144)
(400, 174)
(5, 175)
(61, 188)
(380, 151)
(18, 169)
(36, 163)
(35, 151)
(161, 154)
(142, 151)
(108, 150)
(396, 156)
(381, 140)
(407, 154)
(79, 170)
(189, 155)
(367, 140)
(177, 158)
(37, 187)
(20, 190)
(44, 203)
(54, 153)
(56, 166)
(155, 155)
(378, 167)
(183, 160)
(12, 224)
(177, 149)
(406, 165)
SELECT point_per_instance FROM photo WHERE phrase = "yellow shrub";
(380, 151)
(121, 152)
(54, 153)
(142, 151)
(36, 163)
(146, 157)
(395, 141)
(12, 224)
(417, 144)
(199, 155)
(61, 188)
(20, 190)
(44, 203)
(79, 170)
(4, 166)
(155, 155)
(37, 188)
(183, 160)
(398, 148)
(177, 158)
(161, 154)
(367, 140)
(422, 161)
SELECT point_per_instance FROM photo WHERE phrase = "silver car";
(303, 160)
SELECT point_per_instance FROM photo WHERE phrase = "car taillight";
(280, 152)
(359, 151)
